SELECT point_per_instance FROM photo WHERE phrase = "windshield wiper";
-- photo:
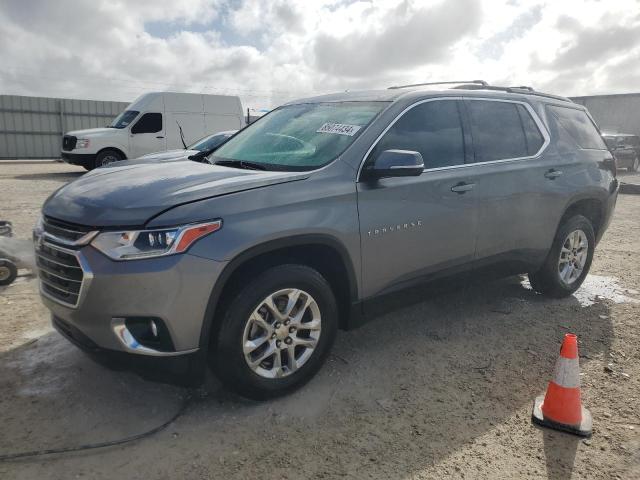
(201, 155)
(241, 164)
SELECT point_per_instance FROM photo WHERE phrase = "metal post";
(63, 127)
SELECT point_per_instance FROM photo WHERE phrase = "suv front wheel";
(276, 332)
(568, 261)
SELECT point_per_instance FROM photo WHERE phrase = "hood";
(168, 155)
(132, 192)
(93, 132)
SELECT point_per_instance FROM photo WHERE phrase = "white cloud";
(269, 52)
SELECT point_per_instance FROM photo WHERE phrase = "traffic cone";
(561, 407)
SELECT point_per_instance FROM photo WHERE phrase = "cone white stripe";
(567, 372)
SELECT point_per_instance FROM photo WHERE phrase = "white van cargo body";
(155, 122)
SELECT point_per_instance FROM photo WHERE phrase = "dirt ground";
(440, 389)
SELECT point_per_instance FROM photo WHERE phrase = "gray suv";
(315, 216)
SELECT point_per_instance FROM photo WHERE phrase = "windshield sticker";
(339, 129)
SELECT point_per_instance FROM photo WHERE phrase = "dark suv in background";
(625, 148)
(307, 218)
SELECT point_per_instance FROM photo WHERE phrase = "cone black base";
(583, 430)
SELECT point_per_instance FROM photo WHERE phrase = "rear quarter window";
(500, 130)
(577, 125)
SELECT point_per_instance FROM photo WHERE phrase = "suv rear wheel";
(568, 261)
(276, 332)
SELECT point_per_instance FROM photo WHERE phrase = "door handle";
(462, 187)
(552, 174)
(160, 136)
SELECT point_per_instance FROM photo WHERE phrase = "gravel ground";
(440, 389)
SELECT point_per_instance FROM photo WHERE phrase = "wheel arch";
(592, 208)
(322, 252)
(115, 149)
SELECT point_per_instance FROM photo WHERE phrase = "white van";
(156, 121)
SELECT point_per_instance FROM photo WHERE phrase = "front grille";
(64, 230)
(69, 142)
(60, 272)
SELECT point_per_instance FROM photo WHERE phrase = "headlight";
(136, 244)
(82, 143)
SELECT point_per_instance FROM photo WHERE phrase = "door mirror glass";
(396, 163)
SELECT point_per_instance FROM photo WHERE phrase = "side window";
(433, 128)
(578, 126)
(532, 134)
(148, 123)
(497, 131)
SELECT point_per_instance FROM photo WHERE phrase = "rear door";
(147, 135)
(412, 227)
(517, 194)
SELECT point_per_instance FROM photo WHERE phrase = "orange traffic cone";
(561, 407)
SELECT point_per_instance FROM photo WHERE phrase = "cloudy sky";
(270, 51)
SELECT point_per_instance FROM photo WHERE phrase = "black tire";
(106, 157)
(227, 357)
(635, 165)
(547, 280)
(8, 272)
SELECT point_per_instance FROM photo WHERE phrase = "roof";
(418, 92)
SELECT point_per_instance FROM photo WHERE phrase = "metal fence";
(614, 113)
(32, 127)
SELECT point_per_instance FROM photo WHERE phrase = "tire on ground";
(103, 157)
(547, 280)
(8, 272)
(227, 356)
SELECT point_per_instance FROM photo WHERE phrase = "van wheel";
(568, 261)
(8, 272)
(276, 332)
(105, 157)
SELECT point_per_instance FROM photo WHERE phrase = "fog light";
(143, 334)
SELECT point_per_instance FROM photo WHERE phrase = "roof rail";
(521, 89)
(475, 82)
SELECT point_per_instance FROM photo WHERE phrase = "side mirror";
(396, 163)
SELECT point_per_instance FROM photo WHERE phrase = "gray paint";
(32, 127)
(512, 212)
(614, 113)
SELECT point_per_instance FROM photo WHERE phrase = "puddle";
(597, 288)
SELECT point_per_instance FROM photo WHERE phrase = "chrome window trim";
(536, 118)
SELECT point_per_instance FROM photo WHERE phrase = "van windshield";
(298, 137)
(124, 119)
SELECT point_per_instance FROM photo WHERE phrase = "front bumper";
(185, 370)
(174, 289)
(82, 159)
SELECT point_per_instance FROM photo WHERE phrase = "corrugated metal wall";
(32, 127)
(614, 113)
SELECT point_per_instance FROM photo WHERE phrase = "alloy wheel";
(282, 333)
(573, 256)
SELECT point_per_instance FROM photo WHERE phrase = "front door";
(147, 135)
(411, 227)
